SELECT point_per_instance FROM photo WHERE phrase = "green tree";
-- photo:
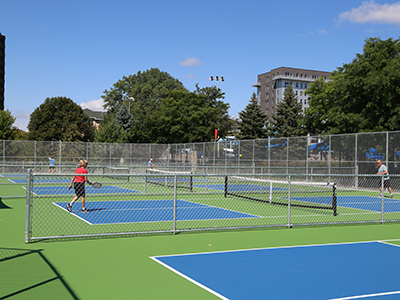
(61, 119)
(253, 121)
(363, 96)
(111, 132)
(287, 120)
(7, 129)
(143, 93)
(187, 117)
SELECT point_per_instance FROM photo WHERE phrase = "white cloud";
(322, 31)
(190, 62)
(191, 76)
(95, 105)
(21, 120)
(370, 12)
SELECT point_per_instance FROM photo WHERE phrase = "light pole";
(130, 99)
(217, 78)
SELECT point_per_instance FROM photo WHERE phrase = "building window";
(301, 93)
(297, 85)
(305, 85)
(267, 79)
(277, 92)
(286, 83)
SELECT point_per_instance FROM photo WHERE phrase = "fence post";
(382, 200)
(174, 217)
(290, 187)
(28, 206)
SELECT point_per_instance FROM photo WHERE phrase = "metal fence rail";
(324, 154)
(130, 204)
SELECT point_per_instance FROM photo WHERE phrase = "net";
(184, 180)
(118, 171)
(315, 195)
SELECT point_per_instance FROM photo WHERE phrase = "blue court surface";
(366, 203)
(336, 271)
(13, 175)
(44, 180)
(110, 212)
(63, 190)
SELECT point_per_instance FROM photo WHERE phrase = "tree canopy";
(363, 96)
(161, 110)
(187, 117)
(143, 93)
(7, 129)
(287, 120)
(253, 121)
(61, 119)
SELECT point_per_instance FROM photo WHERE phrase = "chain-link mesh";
(327, 154)
(165, 202)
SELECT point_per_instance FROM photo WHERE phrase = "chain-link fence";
(327, 154)
(162, 202)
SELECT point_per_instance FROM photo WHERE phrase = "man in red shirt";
(79, 185)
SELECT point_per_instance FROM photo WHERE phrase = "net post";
(270, 192)
(28, 206)
(191, 182)
(226, 186)
(334, 200)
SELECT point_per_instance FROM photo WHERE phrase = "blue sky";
(79, 48)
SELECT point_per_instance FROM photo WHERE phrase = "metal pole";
(382, 200)
(387, 149)
(287, 155)
(174, 217)
(289, 179)
(60, 157)
(28, 206)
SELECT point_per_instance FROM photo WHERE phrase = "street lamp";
(130, 99)
(217, 78)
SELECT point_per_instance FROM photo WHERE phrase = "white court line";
(71, 213)
(190, 279)
(284, 247)
(367, 296)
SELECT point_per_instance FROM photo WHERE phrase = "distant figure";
(51, 165)
(150, 164)
(382, 170)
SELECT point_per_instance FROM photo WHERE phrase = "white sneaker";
(380, 195)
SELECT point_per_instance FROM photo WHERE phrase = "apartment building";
(271, 86)
(2, 69)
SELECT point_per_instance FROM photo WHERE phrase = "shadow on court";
(3, 206)
(27, 274)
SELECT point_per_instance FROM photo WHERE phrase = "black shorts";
(79, 188)
(386, 183)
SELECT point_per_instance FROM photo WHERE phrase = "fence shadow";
(27, 274)
(4, 206)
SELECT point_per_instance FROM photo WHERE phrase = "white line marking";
(190, 279)
(367, 296)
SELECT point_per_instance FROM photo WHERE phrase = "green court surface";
(120, 268)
